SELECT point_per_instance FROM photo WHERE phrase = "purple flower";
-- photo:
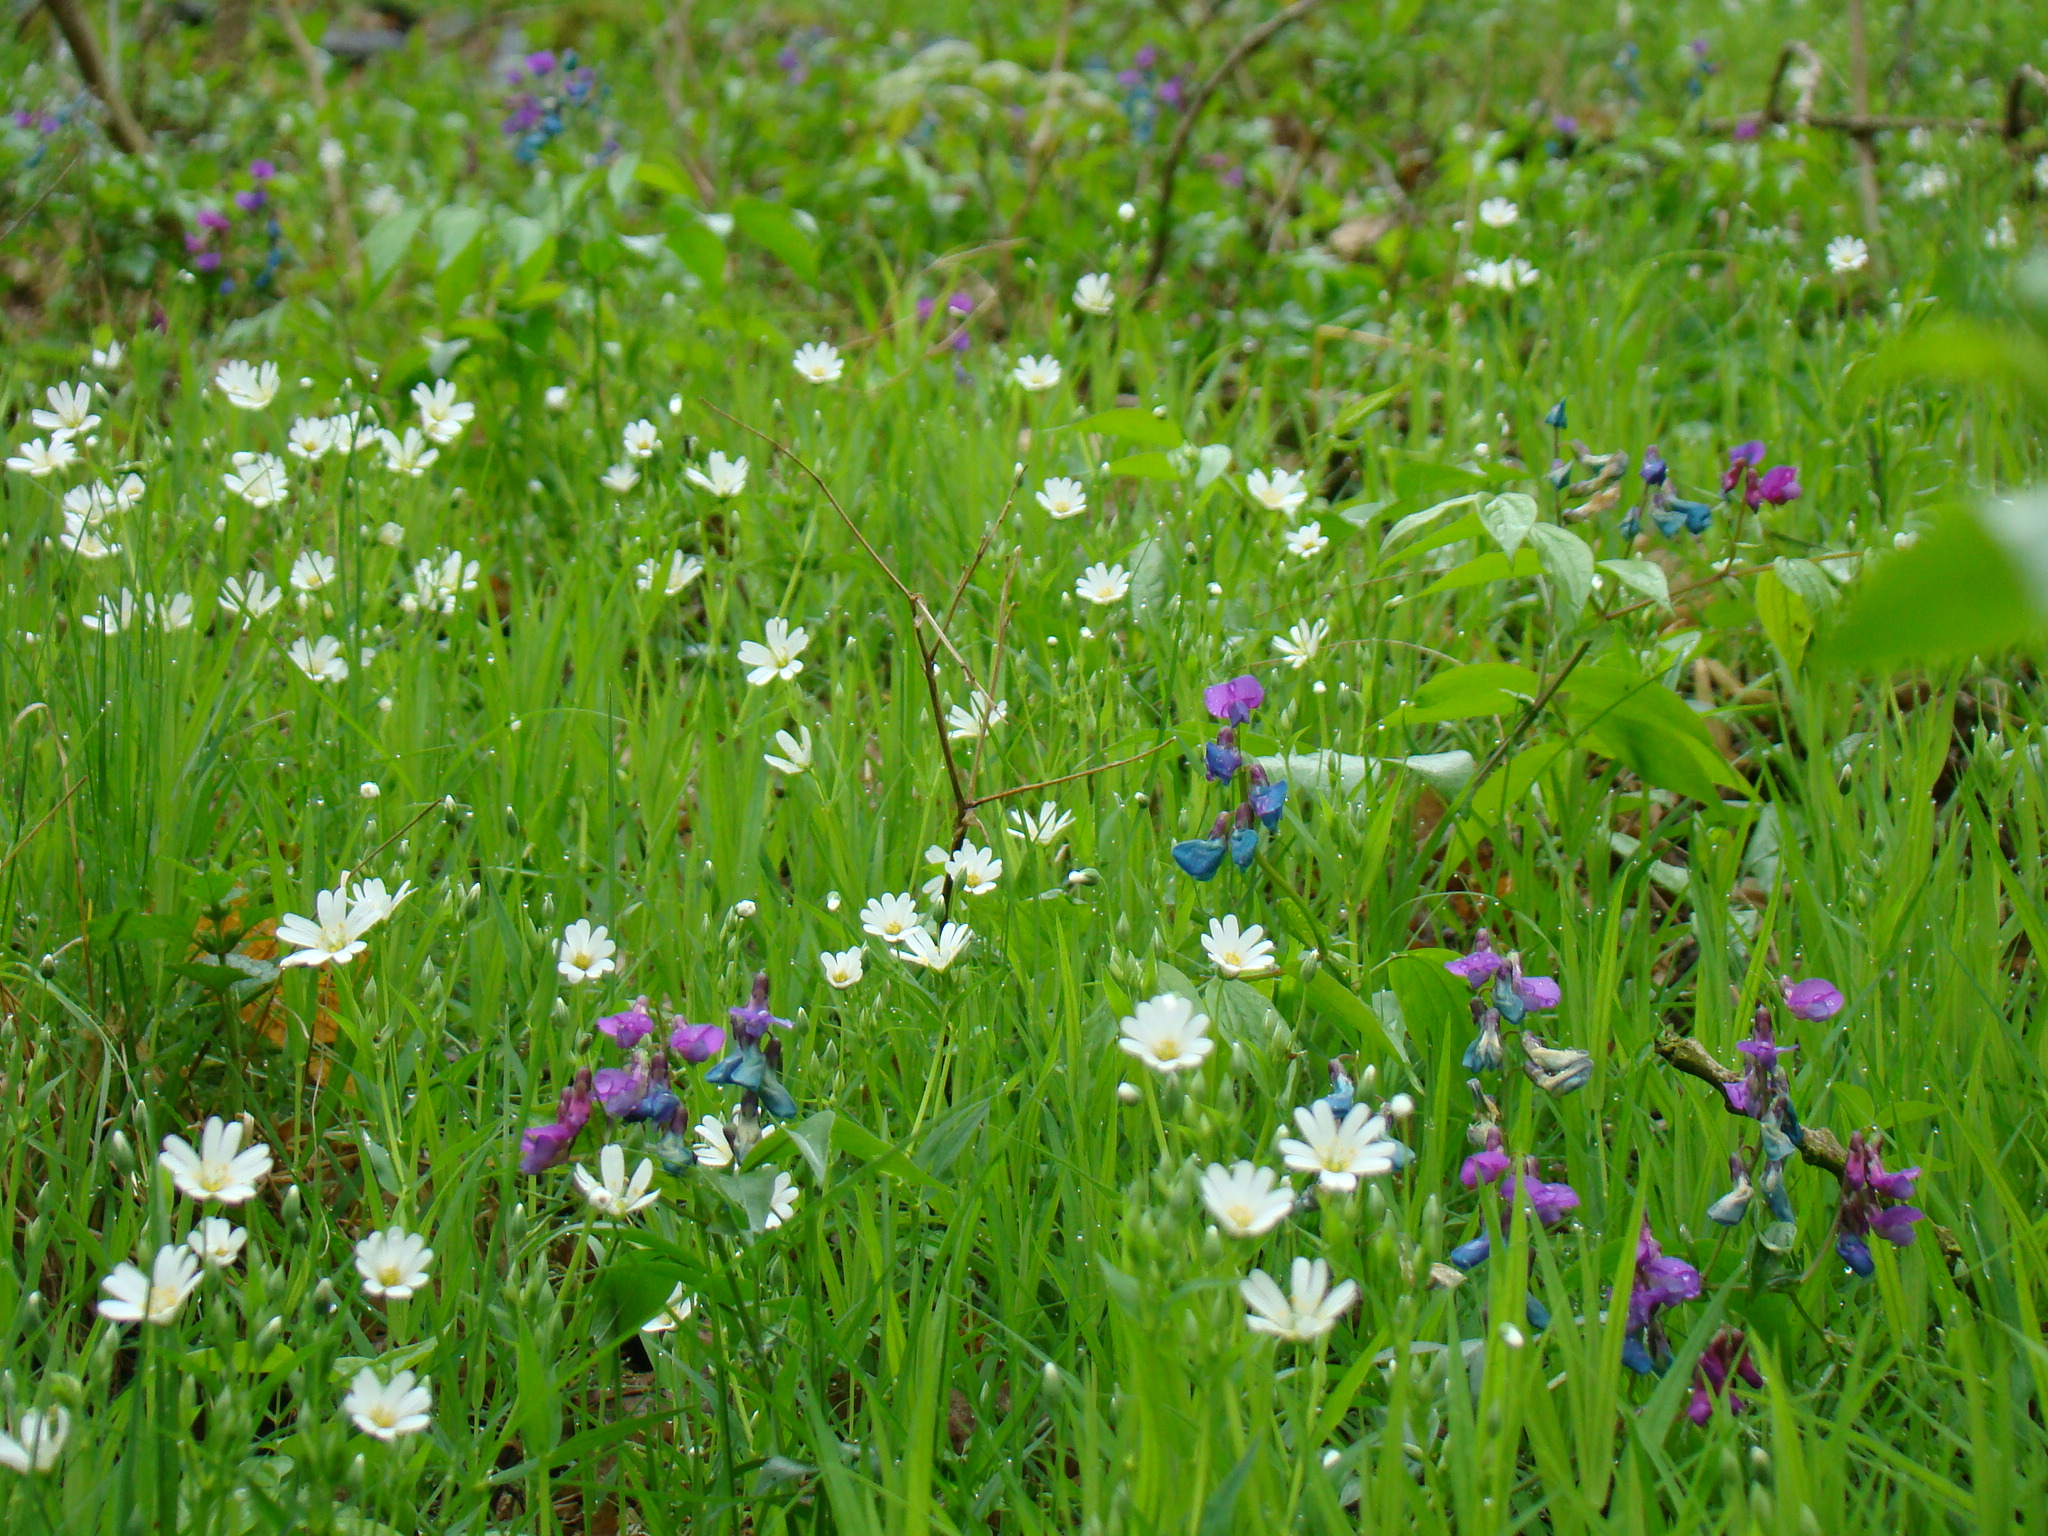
(1174, 92)
(1777, 485)
(1762, 1046)
(525, 114)
(696, 1042)
(1723, 1357)
(1814, 999)
(1565, 124)
(1481, 965)
(262, 170)
(1130, 79)
(207, 261)
(540, 62)
(1220, 758)
(1660, 1282)
(1266, 800)
(1485, 1167)
(1742, 457)
(543, 1146)
(1865, 1185)
(752, 1020)
(1537, 992)
(1747, 128)
(1546, 1202)
(1235, 700)
(214, 219)
(1146, 57)
(1654, 470)
(620, 1088)
(630, 1027)
(249, 199)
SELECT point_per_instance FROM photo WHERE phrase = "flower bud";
(120, 1153)
(1308, 965)
(1127, 1092)
(293, 1209)
(1052, 1379)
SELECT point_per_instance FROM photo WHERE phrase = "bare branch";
(122, 127)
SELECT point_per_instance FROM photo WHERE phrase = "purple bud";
(1814, 999)
(262, 170)
(1741, 457)
(539, 63)
(629, 1027)
(1483, 1168)
(696, 1042)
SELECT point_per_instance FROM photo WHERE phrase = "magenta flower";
(214, 219)
(261, 170)
(1481, 965)
(1723, 1357)
(621, 1088)
(541, 1147)
(1546, 1202)
(696, 1042)
(1815, 999)
(1660, 1282)
(629, 1027)
(1865, 1186)
(539, 62)
(1742, 459)
(1747, 128)
(1777, 485)
(1234, 700)
(1486, 1165)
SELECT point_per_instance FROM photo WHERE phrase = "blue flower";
(1267, 801)
(1200, 857)
(1695, 517)
(1244, 846)
(1555, 416)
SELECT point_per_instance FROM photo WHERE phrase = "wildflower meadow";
(1071, 767)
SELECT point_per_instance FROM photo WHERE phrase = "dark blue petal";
(1554, 417)
(1466, 1255)
(1635, 1357)
(1244, 846)
(1221, 763)
(775, 1098)
(1537, 1313)
(1268, 800)
(1856, 1254)
(1201, 857)
(1508, 1002)
(1632, 524)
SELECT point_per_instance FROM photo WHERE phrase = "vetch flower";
(1723, 1357)
(1167, 1034)
(628, 1027)
(390, 1409)
(37, 1441)
(1660, 1282)
(844, 969)
(1307, 1310)
(543, 1146)
(775, 654)
(1281, 491)
(1303, 641)
(1340, 1152)
(38, 459)
(680, 571)
(1235, 700)
(321, 660)
(221, 1168)
(612, 1195)
(443, 417)
(819, 362)
(247, 387)
(1103, 585)
(217, 1241)
(393, 1264)
(70, 410)
(1045, 827)
(796, 752)
(1847, 254)
(936, 954)
(1306, 542)
(1866, 1190)
(1063, 497)
(1814, 999)
(781, 1202)
(721, 476)
(584, 953)
(641, 439)
(889, 918)
(1237, 952)
(1093, 294)
(1247, 1200)
(258, 478)
(157, 1297)
(1034, 375)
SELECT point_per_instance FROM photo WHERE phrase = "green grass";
(998, 1302)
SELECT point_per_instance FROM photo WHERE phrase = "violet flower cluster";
(534, 117)
(1501, 994)
(1867, 1209)
(1724, 1357)
(1236, 832)
(1776, 485)
(1660, 1282)
(1764, 1094)
(1662, 505)
(214, 225)
(1145, 93)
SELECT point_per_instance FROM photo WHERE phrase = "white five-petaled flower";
(613, 1194)
(438, 583)
(312, 570)
(388, 1409)
(1093, 294)
(620, 477)
(258, 478)
(889, 918)
(1308, 1310)
(321, 660)
(555, 396)
(1498, 212)
(1307, 541)
(91, 504)
(1281, 491)
(936, 954)
(218, 1241)
(796, 752)
(1847, 254)
(169, 614)
(70, 410)
(671, 575)
(393, 1263)
(1063, 497)
(720, 476)
(781, 1202)
(844, 969)
(674, 1312)
(250, 596)
(37, 1441)
(408, 455)
(641, 439)
(83, 539)
(1235, 951)
(974, 871)
(220, 1168)
(775, 653)
(1338, 1153)
(584, 952)
(334, 934)
(1247, 1200)
(113, 616)
(1034, 375)
(714, 1146)
(1043, 828)
(248, 386)
(108, 357)
(1167, 1034)
(38, 459)
(1103, 585)
(1503, 276)
(819, 361)
(313, 437)
(157, 1297)
(980, 716)
(442, 415)
(1302, 641)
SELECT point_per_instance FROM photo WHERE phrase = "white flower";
(83, 540)
(393, 1263)
(334, 934)
(1928, 182)
(1306, 542)
(720, 476)
(977, 720)
(555, 396)
(1339, 1154)
(641, 439)
(218, 1241)
(620, 477)
(674, 1312)
(312, 570)
(819, 361)
(1103, 585)
(775, 654)
(1302, 641)
(38, 1438)
(973, 870)
(1847, 254)
(1245, 1200)
(250, 388)
(376, 904)
(321, 659)
(251, 597)
(157, 1297)
(113, 616)
(920, 948)
(171, 614)
(1498, 212)
(584, 952)
(681, 570)
(1062, 497)
(1093, 294)
(2002, 236)
(714, 1147)
(70, 410)
(1036, 374)
(128, 494)
(1237, 952)
(437, 584)
(108, 357)
(37, 459)
(387, 1409)
(845, 968)
(1309, 1312)
(408, 455)
(1503, 276)
(311, 437)
(442, 415)
(1167, 1034)
(1281, 491)
(796, 752)
(613, 1195)
(90, 504)
(781, 1202)
(889, 918)
(258, 478)
(1045, 827)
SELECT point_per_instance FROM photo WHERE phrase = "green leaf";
(620, 176)
(1786, 620)
(1645, 578)
(1568, 562)
(1807, 580)
(140, 928)
(1489, 567)
(1461, 693)
(775, 229)
(661, 176)
(1132, 422)
(1422, 519)
(1956, 593)
(1643, 725)
(454, 230)
(1153, 465)
(386, 244)
(1509, 517)
(1151, 572)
